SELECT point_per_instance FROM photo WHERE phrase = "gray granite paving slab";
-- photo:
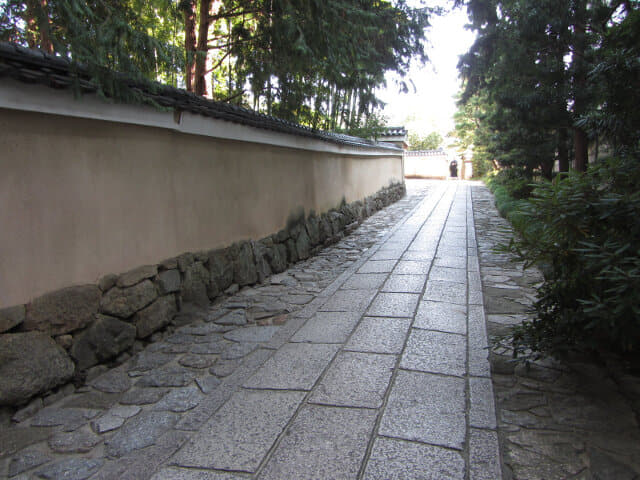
(405, 283)
(240, 434)
(450, 292)
(355, 380)
(482, 413)
(394, 305)
(387, 254)
(458, 261)
(484, 455)
(349, 301)
(426, 408)
(296, 366)
(364, 281)
(477, 328)
(420, 255)
(435, 352)
(323, 443)
(327, 327)
(177, 473)
(393, 459)
(379, 335)
(446, 317)
(405, 267)
(378, 266)
(457, 275)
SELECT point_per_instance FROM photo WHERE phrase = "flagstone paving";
(368, 361)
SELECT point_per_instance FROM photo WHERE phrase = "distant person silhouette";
(453, 169)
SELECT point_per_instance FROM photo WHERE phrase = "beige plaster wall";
(80, 198)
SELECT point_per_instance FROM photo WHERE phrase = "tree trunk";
(190, 43)
(200, 87)
(580, 141)
(563, 150)
(44, 26)
(581, 149)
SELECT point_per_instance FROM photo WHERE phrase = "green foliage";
(472, 134)
(107, 38)
(315, 62)
(432, 141)
(583, 229)
(540, 71)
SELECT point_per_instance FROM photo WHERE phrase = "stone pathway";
(368, 361)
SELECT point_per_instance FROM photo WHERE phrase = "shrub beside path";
(557, 420)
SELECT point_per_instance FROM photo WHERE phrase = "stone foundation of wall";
(57, 337)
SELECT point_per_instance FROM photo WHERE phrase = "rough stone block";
(221, 268)
(325, 228)
(195, 284)
(169, 281)
(185, 261)
(104, 339)
(337, 221)
(292, 252)
(11, 317)
(137, 275)
(107, 281)
(313, 229)
(260, 258)
(64, 310)
(124, 302)
(302, 245)
(277, 257)
(244, 267)
(155, 316)
(169, 264)
(30, 363)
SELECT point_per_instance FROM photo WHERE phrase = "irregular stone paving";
(557, 420)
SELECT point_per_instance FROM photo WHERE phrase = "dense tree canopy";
(431, 141)
(545, 78)
(317, 62)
